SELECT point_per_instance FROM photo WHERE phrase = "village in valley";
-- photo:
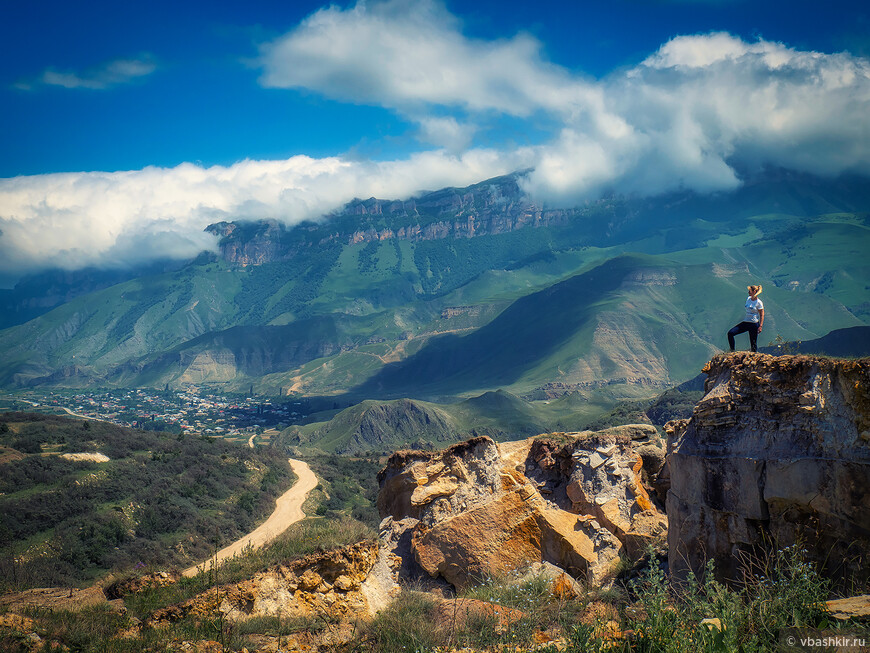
(193, 409)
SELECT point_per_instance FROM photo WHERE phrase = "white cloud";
(408, 53)
(73, 220)
(111, 73)
(446, 132)
(686, 117)
(705, 104)
(683, 118)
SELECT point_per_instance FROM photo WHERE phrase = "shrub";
(405, 625)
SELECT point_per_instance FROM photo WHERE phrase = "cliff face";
(777, 452)
(480, 509)
(484, 209)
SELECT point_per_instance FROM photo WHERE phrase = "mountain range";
(459, 292)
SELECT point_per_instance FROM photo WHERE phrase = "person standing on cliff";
(752, 322)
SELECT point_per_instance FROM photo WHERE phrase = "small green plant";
(405, 625)
(784, 346)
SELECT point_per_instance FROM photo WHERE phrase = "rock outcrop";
(481, 509)
(777, 452)
(328, 583)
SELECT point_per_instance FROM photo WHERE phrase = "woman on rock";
(752, 322)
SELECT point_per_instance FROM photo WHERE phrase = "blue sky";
(203, 102)
(169, 115)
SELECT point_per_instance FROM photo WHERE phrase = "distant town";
(192, 410)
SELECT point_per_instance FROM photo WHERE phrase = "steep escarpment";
(497, 206)
(776, 453)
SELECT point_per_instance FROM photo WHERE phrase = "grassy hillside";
(380, 427)
(349, 305)
(151, 499)
(632, 321)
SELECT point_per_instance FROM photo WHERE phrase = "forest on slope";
(136, 499)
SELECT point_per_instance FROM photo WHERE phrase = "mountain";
(38, 293)
(374, 425)
(463, 291)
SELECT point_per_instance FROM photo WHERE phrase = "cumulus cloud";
(687, 117)
(111, 73)
(446, 132)
(409, 53)
(72, 220)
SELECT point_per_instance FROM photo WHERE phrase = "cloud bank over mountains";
(686, 117)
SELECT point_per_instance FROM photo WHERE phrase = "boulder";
(484, 509)
(431, 486)
(854, 607)
(777, 452)
(455, 614)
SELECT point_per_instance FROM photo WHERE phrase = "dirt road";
(288, 510)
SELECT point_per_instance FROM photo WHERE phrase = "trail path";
(288, 510)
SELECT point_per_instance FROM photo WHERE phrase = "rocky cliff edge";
(777, 453)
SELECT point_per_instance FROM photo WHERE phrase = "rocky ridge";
(495, 207)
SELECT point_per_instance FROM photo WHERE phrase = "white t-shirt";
(752, 309)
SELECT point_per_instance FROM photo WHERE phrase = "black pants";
(743, 327)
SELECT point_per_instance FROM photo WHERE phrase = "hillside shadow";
(501, 352)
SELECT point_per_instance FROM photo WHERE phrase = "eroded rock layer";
(480, 509)
(328, 583)
(776, 453)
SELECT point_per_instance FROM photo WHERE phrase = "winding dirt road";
(288, 510)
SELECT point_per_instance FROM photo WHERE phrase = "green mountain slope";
(466, 290)
(634, 320)
(375, 425)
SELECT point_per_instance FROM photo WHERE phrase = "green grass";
(646, 615)
(406, 625)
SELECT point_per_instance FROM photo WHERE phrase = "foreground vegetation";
(106, 629)
(642, 614)
(150, 499)
(646, 614)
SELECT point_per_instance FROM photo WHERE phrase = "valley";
(616, 300)
(394, 322)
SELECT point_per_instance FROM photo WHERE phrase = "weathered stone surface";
(394, 563)
(452, 614)
(491, 539)
(563, 585)
(135, 584)
(327, 583)
(570, 499)
(775, 452)
(431, 486)
(855, 607)
(56, 598)
(649, 529)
